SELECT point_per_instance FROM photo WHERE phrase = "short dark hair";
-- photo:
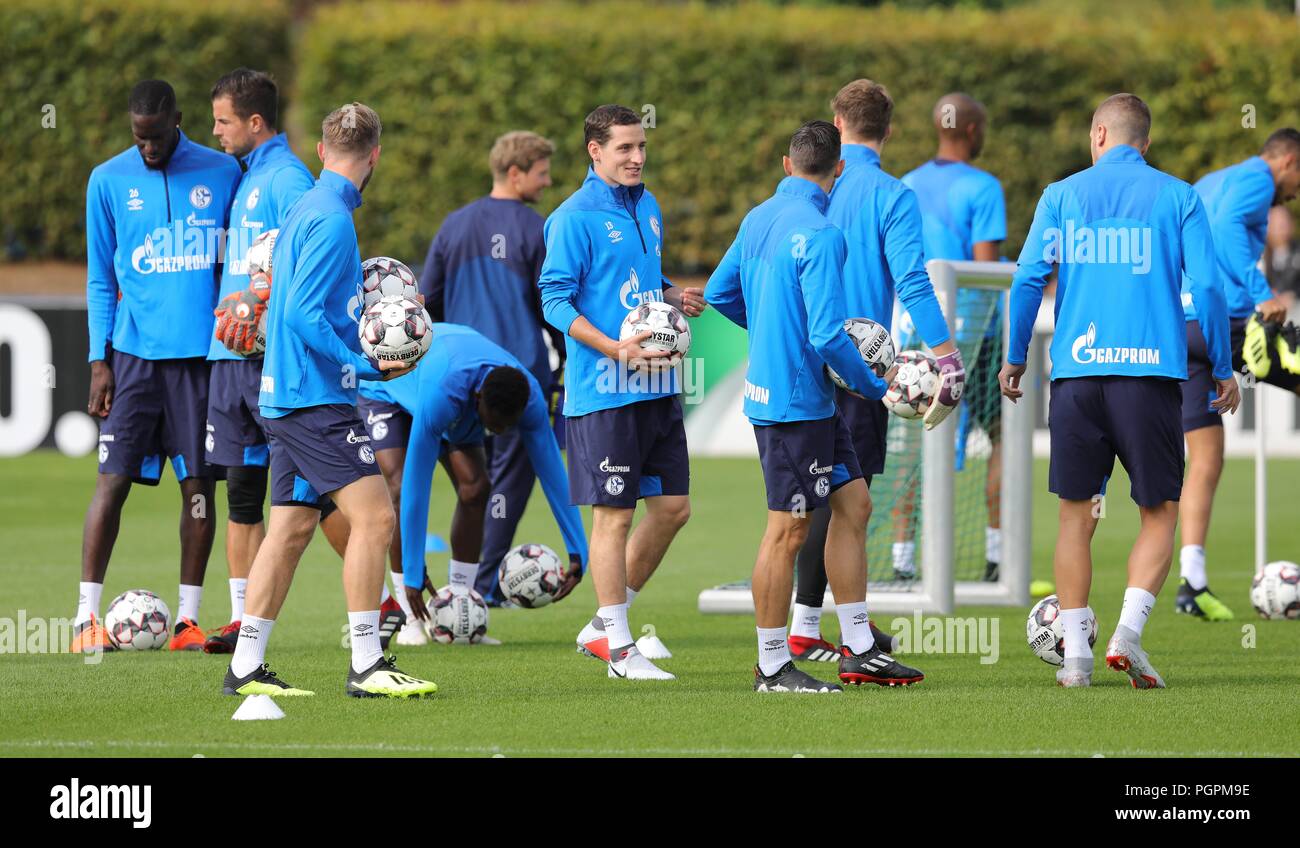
(815, 148)
(251, 93)
(866, 109)
(505, 391)
(1281, 142)
(597, 126)
(152, 97)
(1127, 116)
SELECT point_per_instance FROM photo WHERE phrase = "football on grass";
(458, 617)
(1275, 593)
(1045, 634)
(530, 575)
(138, 620)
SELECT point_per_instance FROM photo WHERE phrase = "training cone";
(258, 707)
(653, 648)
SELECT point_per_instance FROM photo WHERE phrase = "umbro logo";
(362, 628)
(248, 630)
(773, 644)
(860, 618)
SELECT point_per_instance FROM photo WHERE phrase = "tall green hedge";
(729, 85)
(82, 57)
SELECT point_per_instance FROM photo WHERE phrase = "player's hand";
(572, 578)
(1273, 309)
(1009, 380)
(1229, 396)
(101, 389)
(237, 317)
(630, 352)
(693, 303)
(415, 599)
(952, 383)
(393, 369)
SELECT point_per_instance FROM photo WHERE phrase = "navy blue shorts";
(388, 424)
(236, 432)
(868, 425)
(619, 455)
(1093, 420)
(804, 461)
(315, 451)
(158, 407)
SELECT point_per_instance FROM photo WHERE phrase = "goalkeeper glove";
(1288, 348)
(1260, 337)
(952, 382)
(237, 318)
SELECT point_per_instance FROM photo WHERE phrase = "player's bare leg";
(903, 550)
(1204, 468)
(245, 530)
(993, 506)
(198, 526)
(1072, 566)
(665, 516)
(1148, 566)
(103, 520)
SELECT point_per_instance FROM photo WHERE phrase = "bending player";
(782, 280)
(318, 444)
(467, 386)
(625, 438)
(1118, 354)
(1237, 201)
(149, 300)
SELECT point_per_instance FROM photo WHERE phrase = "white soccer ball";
(459, 617)
(138, 620)
(1044, 632)
(258, 257)
(874, 344)
(914, 386)
(668, 327)
(1275, 593)
(383, 276)
(395, 328)
(531, 575)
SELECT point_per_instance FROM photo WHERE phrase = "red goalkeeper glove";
(237, 317)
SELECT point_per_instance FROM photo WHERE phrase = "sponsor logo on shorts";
(608, 468)
(614, 485)
(823, 487)
(372, 418)
(210, 443)
(367, 455)
(816, 469)
(1085, 354)
(354, 439)
(380, 429)
(103, 452)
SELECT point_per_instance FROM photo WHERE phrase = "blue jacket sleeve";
(433, 280)
(1032, 271)
(1249, 196)
(905, 254)
(101, 276)
(723, 291)
(544, 453)
(329, 248)
(1199, 265)
(568, 257)
(821, 276)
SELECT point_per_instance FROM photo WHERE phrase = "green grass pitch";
(1231, 686)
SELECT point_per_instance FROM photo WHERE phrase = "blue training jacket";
(1121, 235)
(440, 399)
(153, 249)
(313, 354)
(274, 181)
(882, 227)
(783, 280)
(603, 248)
(1237, 200)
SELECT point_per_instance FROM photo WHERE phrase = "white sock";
(1191, 566)
(855, 627)
(365, 639)
(238, 586)
(631, 595)
(1137, 606)
(250, 648)
(400, 595)
(993, 544)
(616, 629)
(384, 594)
(806, 622)
(88, 597)
(461, 575)
(189, 606)
(1074, 624)
(773, 652)
(904, 556)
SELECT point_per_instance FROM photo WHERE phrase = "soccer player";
(964, 217)
(624, 427)
(1121, 235)
(1237, 201)
(481, 271)
(782, 280)
(308, 402)
(245, 115)
(468, 385)
(154, 217)
(881, 223)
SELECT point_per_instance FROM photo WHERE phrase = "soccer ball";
(259, 337)
(1043, 630)
(138, 620)
(531, 575)
(458, 617)
(914, 386)
(1275, 593)
(669, 329)
(395, 328)
(258, 258)
(874, 344)
(382, 276)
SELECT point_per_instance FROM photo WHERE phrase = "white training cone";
(653, 648)
(257, 707)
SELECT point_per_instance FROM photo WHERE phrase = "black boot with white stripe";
(875, 666)
(787, 678)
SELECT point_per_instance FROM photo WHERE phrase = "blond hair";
(866, 109)
(351, 129)
(519, 148)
